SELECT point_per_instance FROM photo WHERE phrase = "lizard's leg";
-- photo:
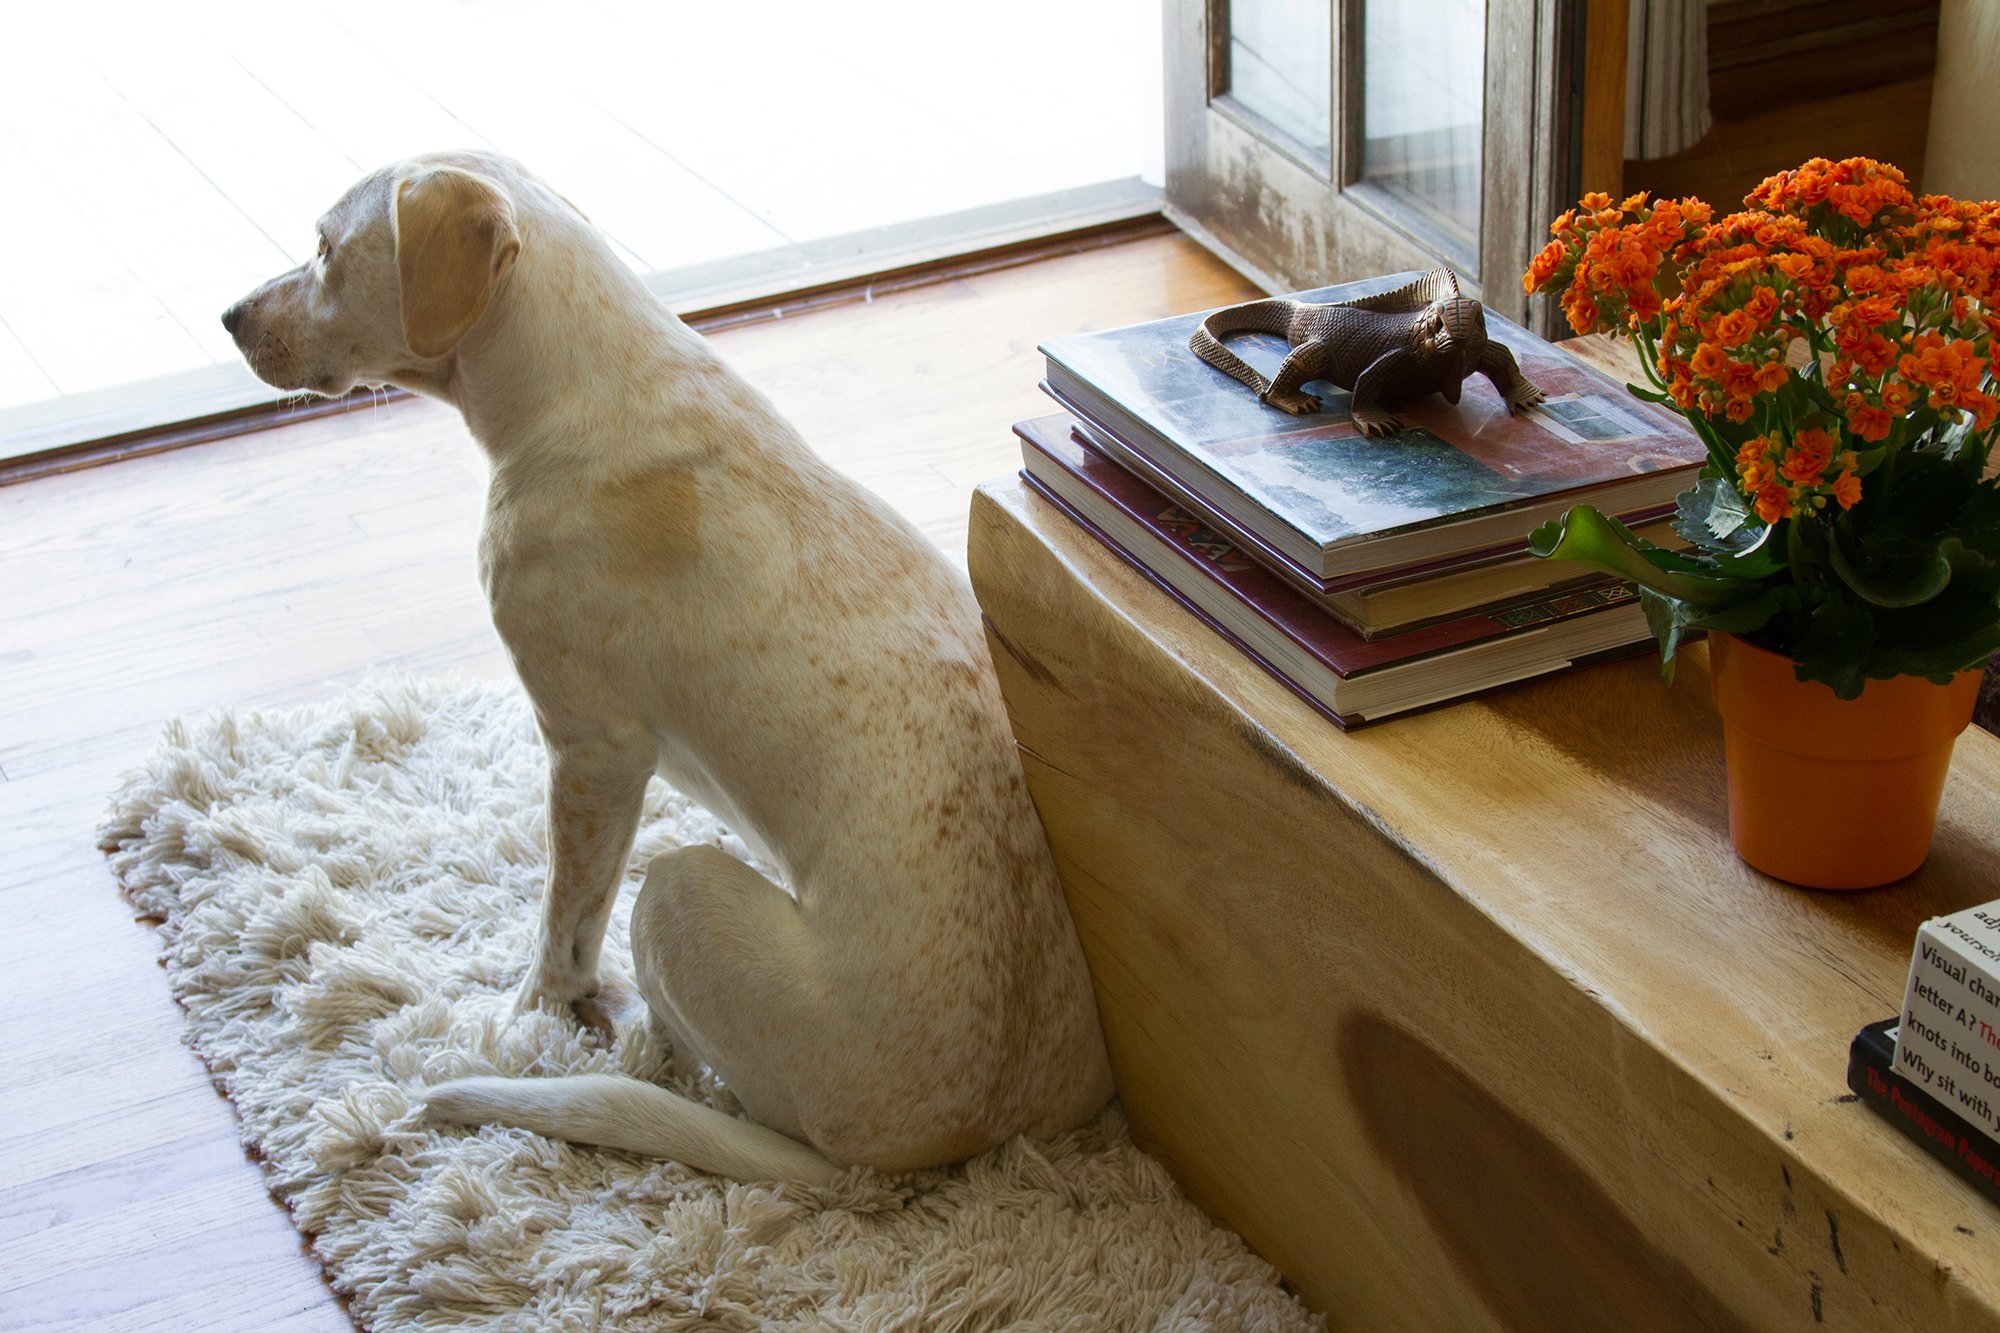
(1304, 362)
(1496, 363)
(1367, 409)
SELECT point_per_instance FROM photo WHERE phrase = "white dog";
(686, 589)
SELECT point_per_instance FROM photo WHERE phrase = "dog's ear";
(455, 240)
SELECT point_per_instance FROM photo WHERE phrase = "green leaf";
(1758, 561)
(1731, 540)
(1590, 538)
(1666, 618)
(1977, 525)
(1867, 460)
(1908, 583)
(1937, 664)
(1743, 618)
(1815, 392)
(1712, 513)
(1835, 647)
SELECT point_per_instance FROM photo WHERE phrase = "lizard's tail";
(1271, 316)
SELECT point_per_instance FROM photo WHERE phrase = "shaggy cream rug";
(347, 895)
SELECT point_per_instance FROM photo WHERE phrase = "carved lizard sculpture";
(1386, 349)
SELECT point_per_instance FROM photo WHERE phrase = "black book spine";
(1945, 1135)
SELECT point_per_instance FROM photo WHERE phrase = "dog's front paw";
(598, 1004)
(614, 1002)
(551, 993)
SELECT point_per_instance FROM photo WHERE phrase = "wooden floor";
(273, 568)
(163, 159)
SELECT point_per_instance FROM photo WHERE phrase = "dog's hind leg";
(723, 959)
(720, 955)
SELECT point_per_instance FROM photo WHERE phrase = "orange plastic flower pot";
(1826, 792)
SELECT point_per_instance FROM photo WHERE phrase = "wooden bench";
(1473, 1020)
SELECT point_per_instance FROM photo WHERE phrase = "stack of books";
(1935, 1070)
(1374, 577)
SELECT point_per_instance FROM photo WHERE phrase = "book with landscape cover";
(1458, 479)
(1939, 1129)
(1377, 602)
(1348, 678)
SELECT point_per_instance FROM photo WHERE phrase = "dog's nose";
(232, 318)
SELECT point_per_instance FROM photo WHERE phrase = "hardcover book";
(1378, 602)
(1940, 1130)
(1948, 1040)
(1461, 478)
(1350, 679)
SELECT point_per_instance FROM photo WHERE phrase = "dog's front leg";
(594, 802)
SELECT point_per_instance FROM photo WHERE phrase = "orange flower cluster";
(1785, 477)
(1808, 327)
(1859, 190)
(1607, 259)
(1951, 373)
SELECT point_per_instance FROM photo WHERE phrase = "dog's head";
(409, 261)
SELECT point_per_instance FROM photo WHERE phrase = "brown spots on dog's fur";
(1003, 908)
(652, 520)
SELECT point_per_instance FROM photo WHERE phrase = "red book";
(1350, 679)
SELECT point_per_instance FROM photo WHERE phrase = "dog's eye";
(325, 248)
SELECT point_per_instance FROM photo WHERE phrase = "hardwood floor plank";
(369, 109)
(88, 319)
(60, 1200)
(196, 145)
(808, 176)
(826, 173)
(190, 248)
(1040, 131)
(662, 214)
(101, 1109)
(22, 379)
(144, 1288)
(270, 570)
(277, 170)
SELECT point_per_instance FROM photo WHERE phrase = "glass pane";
(1281, 67)
(1423, 79)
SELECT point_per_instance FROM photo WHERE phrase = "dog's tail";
(615, 1111)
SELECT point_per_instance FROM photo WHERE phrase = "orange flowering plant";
(1832, 344)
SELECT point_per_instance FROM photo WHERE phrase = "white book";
(1948, 1041)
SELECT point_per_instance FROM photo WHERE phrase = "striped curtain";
(1666, 77)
